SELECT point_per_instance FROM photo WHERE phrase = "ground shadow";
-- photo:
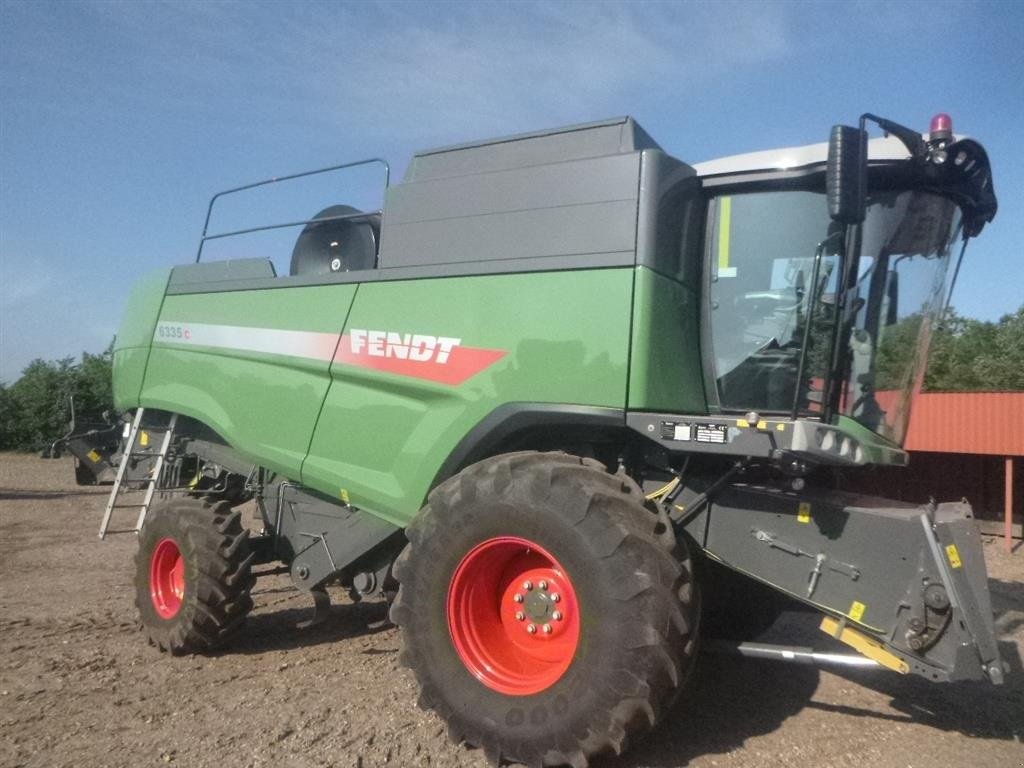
(976, 708)
(720, 709)
(278, 630)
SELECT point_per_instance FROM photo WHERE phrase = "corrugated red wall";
(989, 423)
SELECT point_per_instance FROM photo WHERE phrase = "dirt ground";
(80, 687)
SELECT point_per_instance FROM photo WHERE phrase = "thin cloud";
(409, 73)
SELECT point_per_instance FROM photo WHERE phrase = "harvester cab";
(819, 315)
(824, 276)
(568, 401)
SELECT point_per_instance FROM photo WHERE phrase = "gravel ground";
(80, 687)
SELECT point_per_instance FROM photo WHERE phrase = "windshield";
(906, 244)
(775, 261)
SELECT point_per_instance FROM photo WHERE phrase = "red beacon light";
(941, 128)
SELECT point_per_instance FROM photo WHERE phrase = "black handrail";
(209, 209)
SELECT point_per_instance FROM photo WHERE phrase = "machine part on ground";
(321, 609)
(94, 444)
(193, 573)
(467, 389)
(532, 664)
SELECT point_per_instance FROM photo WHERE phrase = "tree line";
(966, 355)
(35, 411)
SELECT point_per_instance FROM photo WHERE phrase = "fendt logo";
(402, 346)
(443, 359)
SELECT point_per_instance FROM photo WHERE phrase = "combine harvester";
(560, 389)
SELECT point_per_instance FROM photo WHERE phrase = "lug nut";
(520, 615)
(555, 597)
(542, 584)
(531, 628)
(527, 585)
(517, 598)
(547, 629)
(557, 615)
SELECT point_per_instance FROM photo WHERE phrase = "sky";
(118, 120)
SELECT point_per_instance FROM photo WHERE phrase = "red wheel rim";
(513, 616)
(167, 578)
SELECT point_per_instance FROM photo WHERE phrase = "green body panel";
(877, 450)
(131, 346)
(256, 366)
(382, 437)
(665, 370)
(264, 403)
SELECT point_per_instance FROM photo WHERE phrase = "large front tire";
(192, 575)
(485, 560)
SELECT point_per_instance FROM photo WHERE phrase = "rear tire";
(627, 586)
(192, 575)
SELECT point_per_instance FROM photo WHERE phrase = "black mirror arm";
(911, 139)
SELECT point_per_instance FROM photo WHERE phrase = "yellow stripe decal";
(724, 225)
(866, 646)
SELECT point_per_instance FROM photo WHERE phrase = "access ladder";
(152, 479)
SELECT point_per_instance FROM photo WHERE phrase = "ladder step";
(159, 454)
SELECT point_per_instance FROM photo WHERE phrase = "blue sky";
(118, 120)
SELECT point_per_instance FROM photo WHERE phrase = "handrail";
(209, 209)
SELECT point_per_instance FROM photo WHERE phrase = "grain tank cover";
(574, 142)
(558, 199)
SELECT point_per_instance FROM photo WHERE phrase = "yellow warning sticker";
(343, 495)
(742, 423)
(762, 424)
(780, 427)
(94, 457)
(857, 610)
(144, 439)
(803, 514)
(954, 556)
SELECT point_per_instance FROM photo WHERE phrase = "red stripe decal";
(433, 358)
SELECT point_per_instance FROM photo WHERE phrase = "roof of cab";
(791, 158)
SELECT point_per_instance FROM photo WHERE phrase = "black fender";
(518, 426)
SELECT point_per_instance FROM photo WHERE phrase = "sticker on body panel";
(443, 359)
(273, 341)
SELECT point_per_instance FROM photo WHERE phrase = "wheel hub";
(167, 578)
(534, 604)
(513, 616)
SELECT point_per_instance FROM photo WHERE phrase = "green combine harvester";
(569, 404)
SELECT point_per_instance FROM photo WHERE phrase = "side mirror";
(846, 175)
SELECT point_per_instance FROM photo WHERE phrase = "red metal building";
(966, 444)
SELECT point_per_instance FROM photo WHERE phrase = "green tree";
(896, 353)
(34, 410)
(973, 355)
(8, 419)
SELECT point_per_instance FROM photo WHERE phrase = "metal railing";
(209, 210)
